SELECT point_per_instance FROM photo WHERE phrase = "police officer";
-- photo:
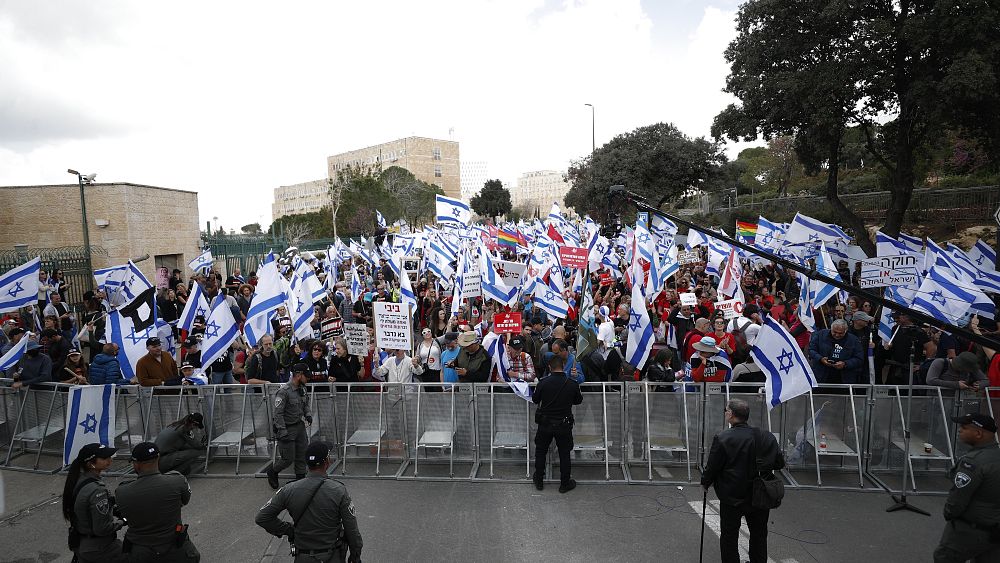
(973, 506)
(324, 523)
(291, 406)
(152, 506)
(555, 394)
(89, 507)
(179, 449)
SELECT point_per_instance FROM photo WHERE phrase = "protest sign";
(507, 322)
(573, 257)
(356, 335)
(392, 326)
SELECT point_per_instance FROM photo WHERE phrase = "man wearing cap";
(179, 449)
(973, 506)
(555, 396)
(291, 413)
(152, 506)
(521, 367)
(34, 366)
(324, 523)
(709, 363)
(962, 373)
(472, 364)
(157, 366)
(448, 356)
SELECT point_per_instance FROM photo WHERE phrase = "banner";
(507, 322)
(730, 308)
(573, 257)
(890, 270)
(688, 257)
(356, 335)
(689, 299)
(392, 326)
(510, 273)
(472, 281)
(332, 328)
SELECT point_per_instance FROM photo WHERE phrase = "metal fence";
(72, 260)
(848, 437)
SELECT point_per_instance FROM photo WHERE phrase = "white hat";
(706, 344)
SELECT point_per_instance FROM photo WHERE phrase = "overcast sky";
(231, 99)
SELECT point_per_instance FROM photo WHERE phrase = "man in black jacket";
(555, 395)
(731, 470)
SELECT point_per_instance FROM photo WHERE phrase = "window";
(437, 171)
(437, 153)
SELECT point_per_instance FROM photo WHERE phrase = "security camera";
(89, 178)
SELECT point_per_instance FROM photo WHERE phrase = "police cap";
(976, 419)
(316, 454)
(145, 452)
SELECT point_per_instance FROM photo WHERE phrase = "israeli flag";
(820, 291)
(312, 286)
(19, 287)
(452, 211)
(769, 234)
(196, 305)
(124, 284)
(912, 243)
(496, 349)
(640, 329)
(886, 324)
(551, 302)
(780, 358)
(299, 308)
(806, 313)
(131, 326)
(357, 288)
(943, 297)
(90, 418)
(221, 329)
(13, 355)
(380, 220)
(668, 265)
(268, 296)
(805, 233)
(984, 257)
(203, 262)
(406, 291)
(104, 275)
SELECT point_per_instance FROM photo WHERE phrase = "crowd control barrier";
(838, 437)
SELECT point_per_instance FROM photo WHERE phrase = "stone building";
(540, 189)
(474, 175)
(125, 220)
(306, 197)
(434, 161)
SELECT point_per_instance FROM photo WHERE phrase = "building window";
(437, 171)
(437, 153)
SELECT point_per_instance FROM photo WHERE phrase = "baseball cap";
(145, 452)
(197, 419)
(94, 451)
(153, 342)
(516, 342)
(977, 419)
(300, 368)
(316, 454)
(862, 316)
(966, 362)
(73, 352)
(450, 336)
(186, 365)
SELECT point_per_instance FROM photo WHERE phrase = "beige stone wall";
(141, 219)
(415, 154)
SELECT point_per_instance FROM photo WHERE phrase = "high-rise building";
(299, 198)
(474, 175)
(434, 161)
(540, 188)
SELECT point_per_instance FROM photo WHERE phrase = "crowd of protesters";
(692, 342)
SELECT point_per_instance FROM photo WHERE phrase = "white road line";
(713, 521)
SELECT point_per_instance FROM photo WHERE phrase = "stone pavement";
(467, 521)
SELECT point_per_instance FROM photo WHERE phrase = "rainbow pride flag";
(746, 232)
(507, 239)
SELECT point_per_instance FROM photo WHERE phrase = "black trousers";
(563, 436)
(730, 519)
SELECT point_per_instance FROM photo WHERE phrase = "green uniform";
(93, 518)
(317, 521)
(179, 450)
(152, 505)
(973, 509)
(291, 406)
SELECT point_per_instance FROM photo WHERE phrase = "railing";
(847, 437)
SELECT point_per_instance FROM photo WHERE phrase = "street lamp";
(83, 179)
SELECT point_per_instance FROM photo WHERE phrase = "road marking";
(713, 521)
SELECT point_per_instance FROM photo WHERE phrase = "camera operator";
(907, 338)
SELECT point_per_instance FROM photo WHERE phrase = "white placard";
(472, 281)
(890, 270)
(510, 272)
(689, 257)
(689, 299)
(392, 326)
(730, 308)
(356, 335)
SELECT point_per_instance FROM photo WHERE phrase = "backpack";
(742, 351)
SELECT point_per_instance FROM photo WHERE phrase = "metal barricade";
(441, 422)
(235, 424)
(38, 426)
(658, 423)
(374, 419)
(931, 449)
(509, 425)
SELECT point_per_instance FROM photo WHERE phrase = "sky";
(232, 99)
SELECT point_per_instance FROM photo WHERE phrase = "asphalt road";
(469, 521)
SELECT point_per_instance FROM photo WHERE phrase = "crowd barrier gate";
(434, 431)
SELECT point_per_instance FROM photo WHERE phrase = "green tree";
(251, 229)
(656, 161)
(491, 201)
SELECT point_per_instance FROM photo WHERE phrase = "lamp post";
(593, 142)
(82, 180)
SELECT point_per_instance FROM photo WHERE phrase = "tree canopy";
(491, 201)
(656, 161)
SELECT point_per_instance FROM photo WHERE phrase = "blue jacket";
(822, 345)
(105, 369)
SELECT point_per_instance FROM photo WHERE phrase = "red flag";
(555, 236)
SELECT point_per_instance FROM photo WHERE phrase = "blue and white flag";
(984, 257)
(640, 329)
(357, 287)
(780, 358)
(406, 290)
(90, 418)
(380, 220)
(806, 313)
(124, 283)
(312, 286)
(300, 308)
(13, 355)
(820, 291)
(451, 210)
(19, 287)
(886, 323)
(943, 297)
(496, 349)
(804, 235)
(203, 262)
(221, 329)
(551, 302)
(268, 296)
(912, 243)
(131, 325)
(769, 235)
(196, 305)
(492, 283)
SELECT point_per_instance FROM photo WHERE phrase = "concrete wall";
(141, 219)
